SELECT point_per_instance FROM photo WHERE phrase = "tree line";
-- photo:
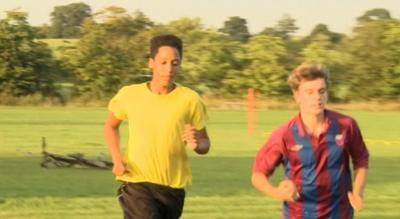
(107, 49)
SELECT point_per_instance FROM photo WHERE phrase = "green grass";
(221, 187)
(56, 45)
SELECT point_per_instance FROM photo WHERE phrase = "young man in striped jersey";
(315, 148)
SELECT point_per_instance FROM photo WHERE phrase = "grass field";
(221, 186)
(58, 44)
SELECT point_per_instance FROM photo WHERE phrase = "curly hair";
(165, 40)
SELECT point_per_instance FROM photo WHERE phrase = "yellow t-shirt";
(156, 152)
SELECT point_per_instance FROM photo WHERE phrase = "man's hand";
(191, 136)
(356, 201)
(288, 191)
(197, 139)
(119, 168)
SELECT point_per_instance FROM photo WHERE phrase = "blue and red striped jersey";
(319, 166)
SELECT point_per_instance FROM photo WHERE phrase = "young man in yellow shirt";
(163, 117)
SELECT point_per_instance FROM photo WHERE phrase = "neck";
(314, 124)
(159, 89)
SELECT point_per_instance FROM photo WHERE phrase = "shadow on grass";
(221, 176)
(23, 177)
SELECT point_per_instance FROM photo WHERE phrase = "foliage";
(375, 14)
(26, 65)
(66, 20)
(284, 28)
(111, 50)
(373, 66)
(236, 28)
(261, 69)
(322, 51)
(208, 55)
(108, 54)
(322, 29)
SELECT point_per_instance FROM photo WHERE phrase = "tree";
(375, 15)
(285, 27)
(236, 28)
(284, 30)
(322, 29)
(190, 30)
(208, 55)
(374, 65)
(111, 52)
(261, 70)
(322, 51)
(391, 73)
(41, 32)
(118, 21)
(209, 61)
(66, 20)
(26, 66)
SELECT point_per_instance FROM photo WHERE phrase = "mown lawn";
(221, 186)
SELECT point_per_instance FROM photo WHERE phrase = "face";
(165, 66)
(311, 96)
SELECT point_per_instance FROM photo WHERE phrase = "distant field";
(221, 186)
(56, 45)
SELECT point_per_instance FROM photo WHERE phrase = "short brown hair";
(307, 72)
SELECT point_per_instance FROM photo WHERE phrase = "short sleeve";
(270, 155)
(358, 150)
(199, 114)
(117, 106)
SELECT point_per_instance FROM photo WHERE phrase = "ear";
(150, 63)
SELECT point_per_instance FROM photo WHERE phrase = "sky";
(339, 15)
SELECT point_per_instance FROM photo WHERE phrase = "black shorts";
(150, 201)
